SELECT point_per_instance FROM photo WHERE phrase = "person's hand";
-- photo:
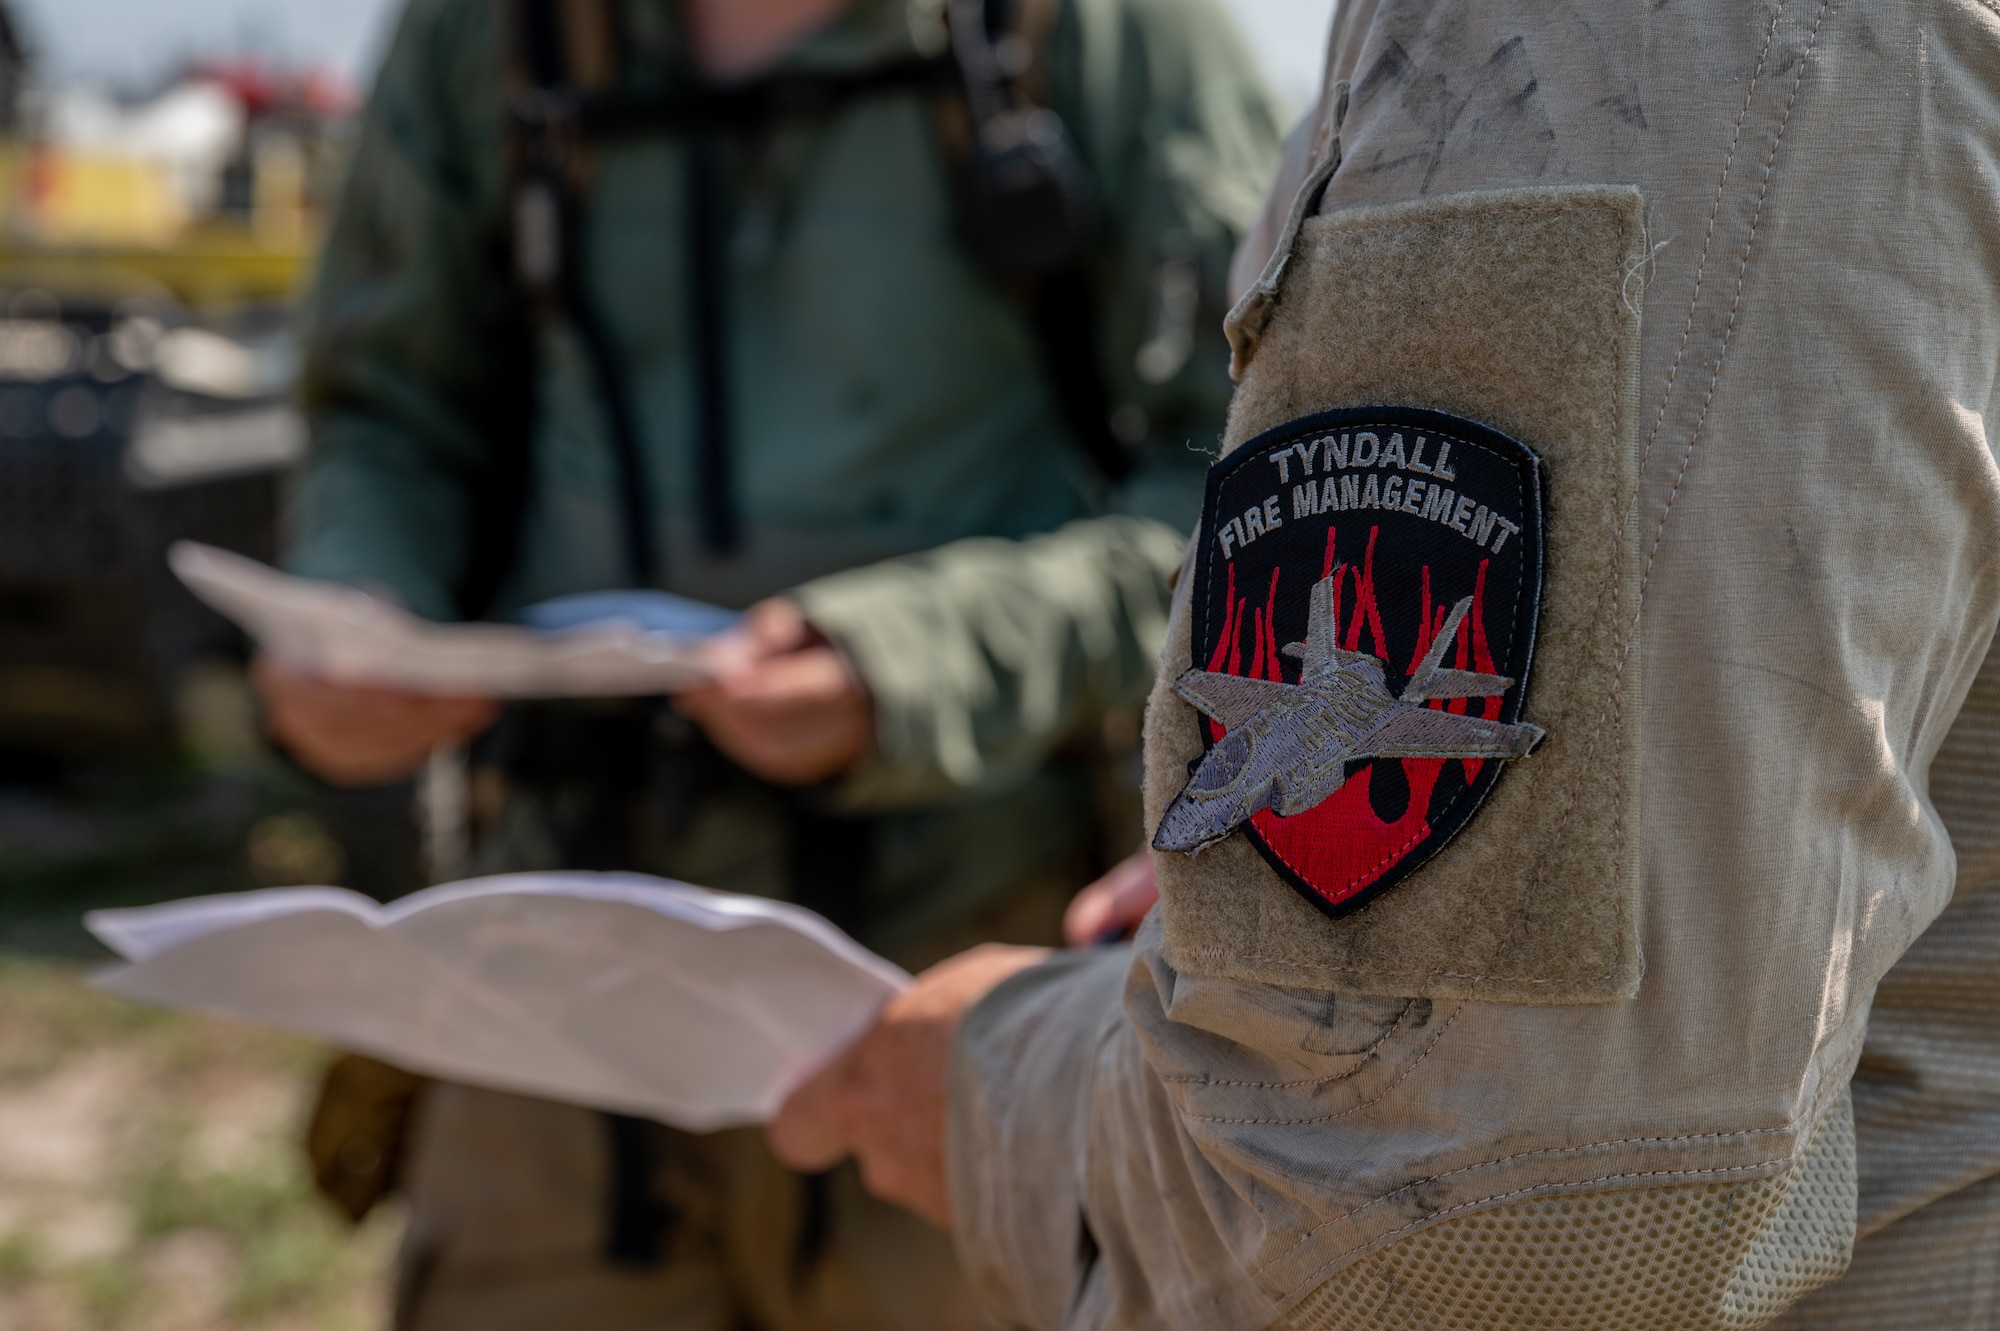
(784, 703)
(883, 1101)
(1111, 908)
(349, 735)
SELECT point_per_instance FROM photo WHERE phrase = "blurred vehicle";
(122, 428)
(150, 247)
(207, 188)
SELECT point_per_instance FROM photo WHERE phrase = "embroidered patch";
(1365, 602)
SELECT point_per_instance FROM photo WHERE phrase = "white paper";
(348, 636)
(617, 991)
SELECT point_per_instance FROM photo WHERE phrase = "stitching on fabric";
(1631, 632)
(1567, 1150)
(1389, 858)
(1390, 1236)
(1351, 1109)
(1574, 789)
(1413, 977)
(1687, 453)
(1363, 1059)
(1617, 572)
(1367, 875)
(1251, 314)
(1513, 621)
(1736, 301)
(1618, 512)
(1195, 648)
(1818, 1108)
(1611, 592)
(1708, 233)
(1592, 1146)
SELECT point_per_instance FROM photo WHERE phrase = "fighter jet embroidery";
(1287, 746)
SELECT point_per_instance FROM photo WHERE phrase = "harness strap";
(569, 102)
(636, 1218)
(548, 256)
(708, 312)
(1064, 314)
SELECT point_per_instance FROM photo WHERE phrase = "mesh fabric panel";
(1686, 1257)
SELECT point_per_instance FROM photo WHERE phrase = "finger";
(807, 1133)
(279, 683)
(1113, 906)
(725, 656)
(790, 719)
(769, 629)
(361, 736)
(1086, 916)
(895, 1121)
(778, 625)
(392, 721)
(469, 716)
(1136, 891)
(815, 677)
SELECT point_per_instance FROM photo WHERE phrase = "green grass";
(47, 1014)
(293, 1254)
(152, 1176)
(20, 1257)
(196, 1162)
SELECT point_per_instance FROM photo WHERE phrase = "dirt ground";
(151, 1175)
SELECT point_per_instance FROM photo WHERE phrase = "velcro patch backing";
(1510, 312)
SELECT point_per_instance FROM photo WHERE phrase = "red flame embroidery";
(1342, 846)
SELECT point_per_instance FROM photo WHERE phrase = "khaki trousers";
(509, 1218)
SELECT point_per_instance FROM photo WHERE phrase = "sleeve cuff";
(1018, 1130)
(884, 618)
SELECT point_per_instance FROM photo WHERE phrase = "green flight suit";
(902, 468)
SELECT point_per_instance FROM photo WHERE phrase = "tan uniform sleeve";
(1131, 1146)
(1025, 1245)
(1514, 1089)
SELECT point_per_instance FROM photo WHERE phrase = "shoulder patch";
(1367, 590)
